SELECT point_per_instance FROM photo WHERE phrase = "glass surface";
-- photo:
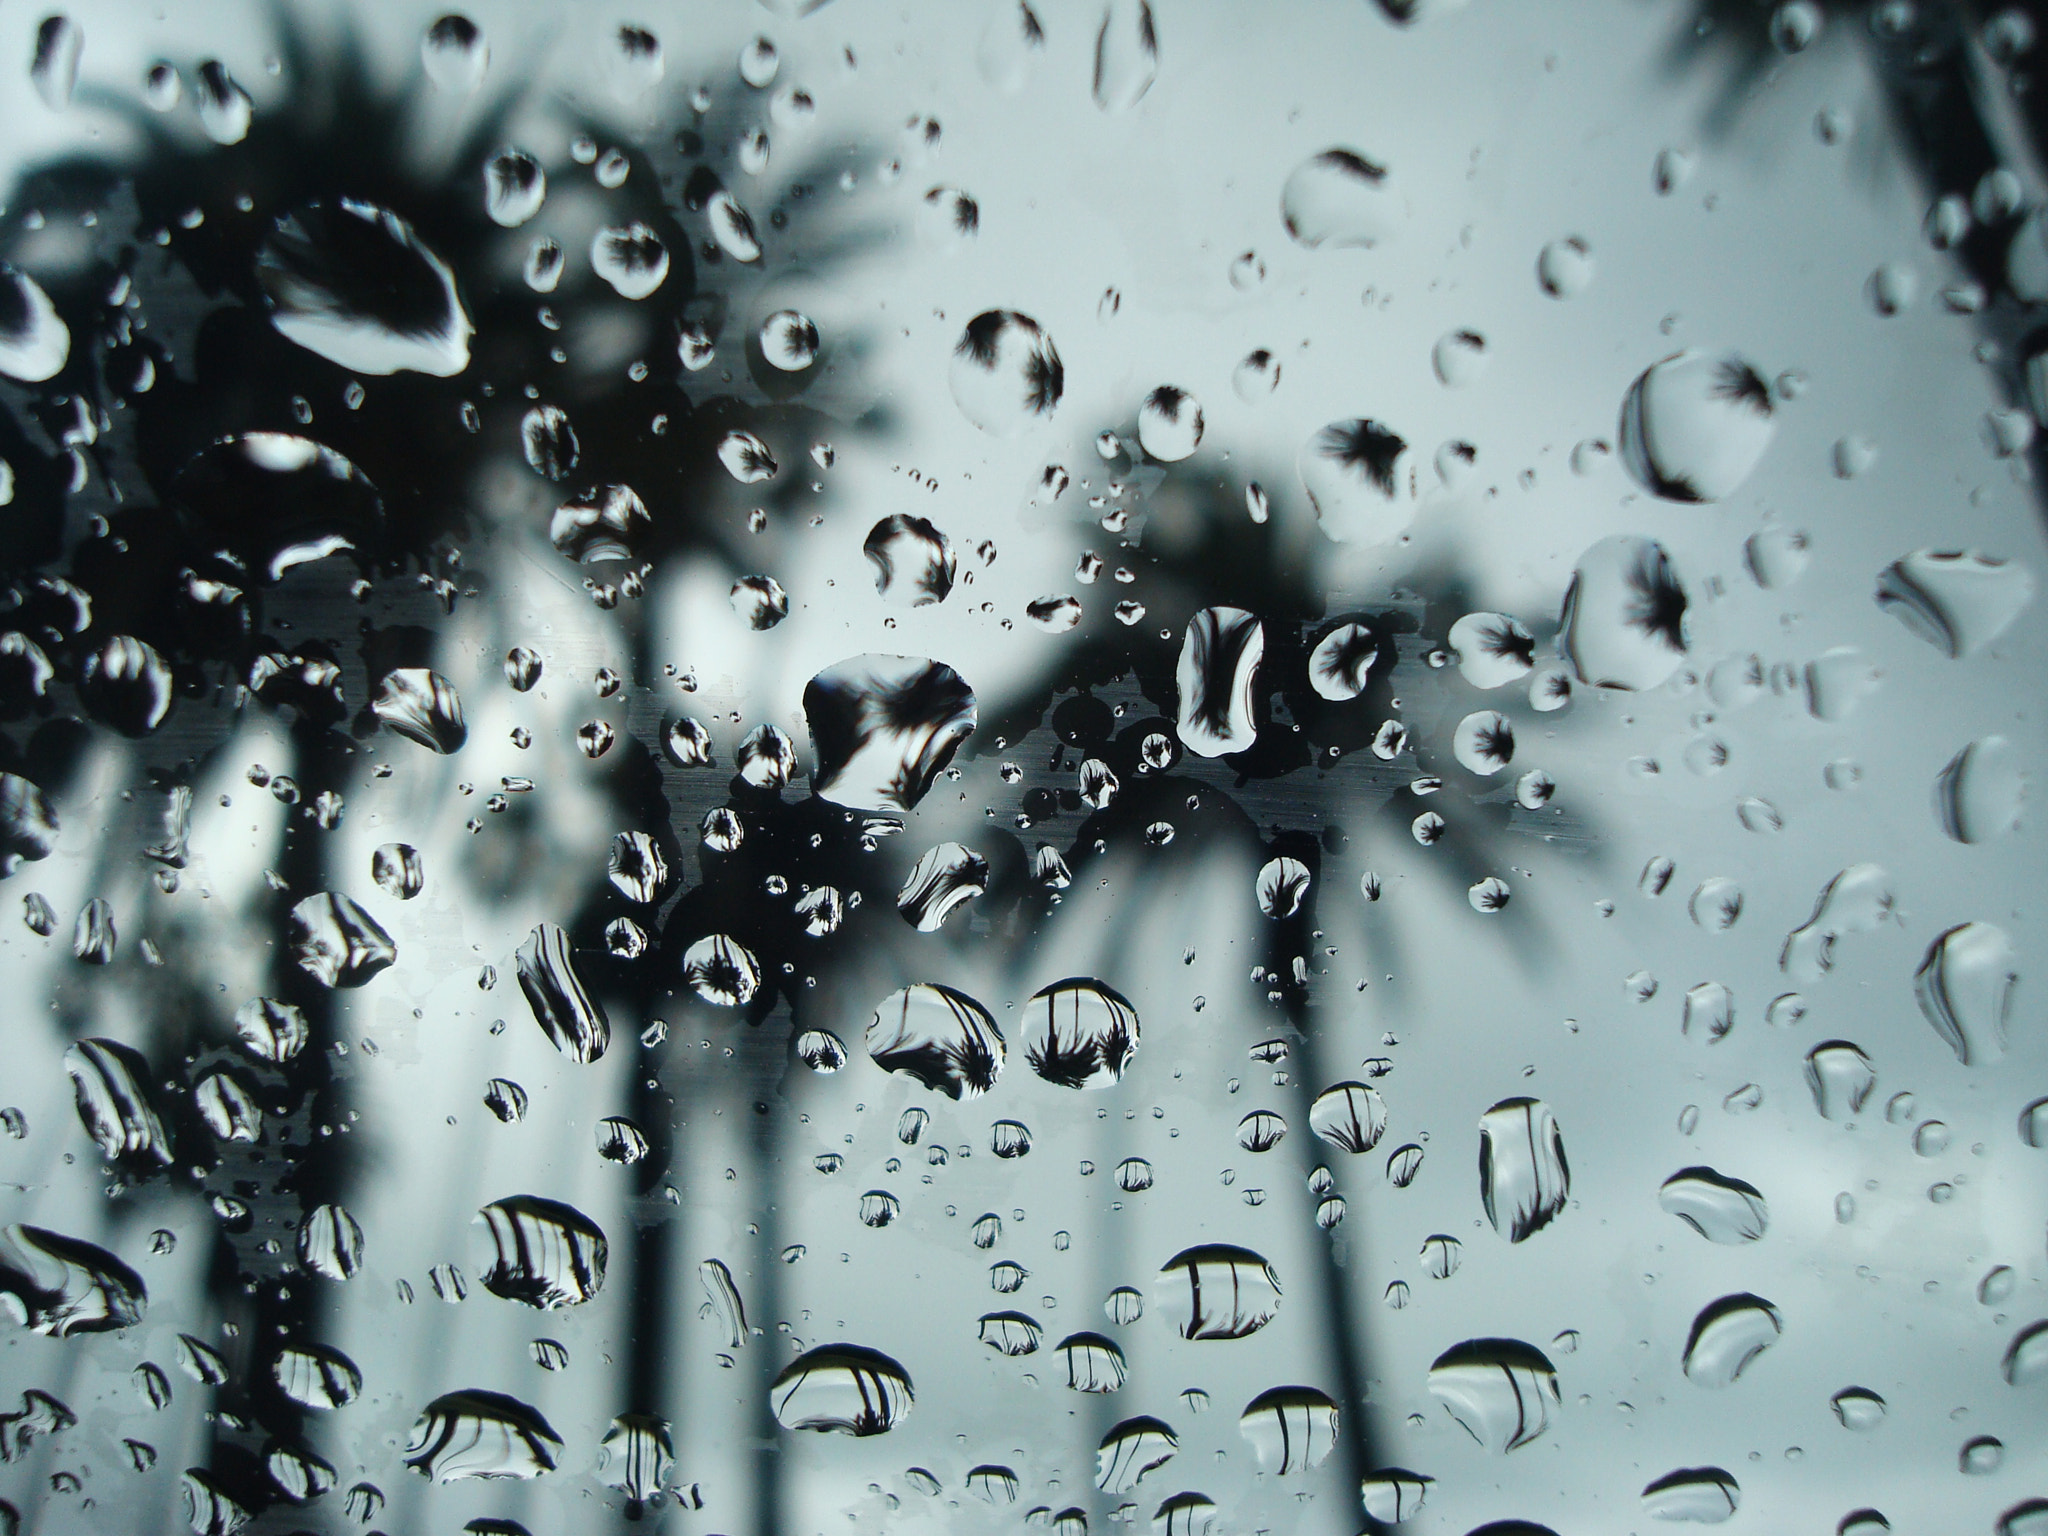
(852, 767)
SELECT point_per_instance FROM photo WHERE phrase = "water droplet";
(760, 601)
(1394, 1495)
(1338, 198)
(548, 1254)
(505, 1099)
(1958, 601)
(396, 869)
(353, 283)
(1500, 1391)
(1459, 358)
(1964, 988)
(126, 684)
(883, 727)
(54, 67)
(841, 1388)
(1695, 425)
(330, 1242)
(1700, 1495)
(1219, 662)
(225, 110)
(1126, 55)
(1170, 424)
(722, 971)
(572, 1019)
(914, 562)
(1523, 1176)
(1218, 1291)
(1484, 742)
(1564, 268)
(1361, 478)
(1132, 1449)
(481, 1434)
(1291, 1429)
(1980, 794)
(316, 1376)
(1094, 1364)
(1624, 619)
(1256, 376)
(947, 219)
(110, 1082)
(1730, 1334)
(789, 341)
(1006, 373)
(1342, 662)
(1079, 1033)
(1981, 1456)
(1840, 1077)
(454, 54)
(337, 943)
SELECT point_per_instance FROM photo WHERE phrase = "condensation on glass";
(821, 768)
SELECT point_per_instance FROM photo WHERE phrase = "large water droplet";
(1980, 794)
(1964, 987)
(1006, 374)
(605, 523)
(1126, 55)
(1219, 1291)
(1362, 480)
(111, 1084)
(454, 54)
(1956, 600)
(566, 1012)
(481, 1434)
(1351, 1117)
(1840, 1077)
(336, 942)
(1727, 1336)
(842, 1388)
(914, 561)
(1697, 1495)
(423, 707)
(515, 186)
(1219, 662)
(546, 1254)
(1719, 1208)
(34, 341)
(1502, 1392)
(1079, 1033)
(352, 282)
(225, 110)
(1292, 1429)
(1694, 425)
(1132, 1449)
(1170, 424)
(943, 1038)
(1338, 198)
(883, 727)
(1524, 1179)
(1624, 618)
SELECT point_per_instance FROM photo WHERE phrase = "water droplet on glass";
(1958, 601)
(1728, 1336)
(353, 283)
(1338, 198)
(1964, 988)
(1126, 55)
(1502, 1392)
(1006, 373)
(841, 1388)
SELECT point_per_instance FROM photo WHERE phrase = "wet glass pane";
(829, 767)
